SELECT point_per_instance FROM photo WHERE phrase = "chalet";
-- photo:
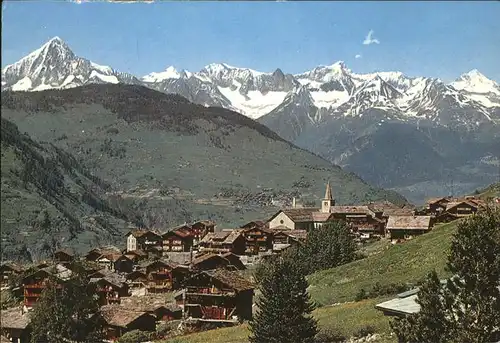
(155, 305)
(137, 279)
(217, 296)
(110, 288)
(163, 276)
(435, 206)
(7, 271)
(401, 306)
(64, 255)
(201, 228)
(406, 227)
(95, 253)
(234, 260)
(118, 320)
(36, 282)
(15, 325)
(257, 240)
(115, 262)
(223, 241)
(360, 218)
(178, 240)
(209, 261)
(145, 240)
(288, 238)
(136, 255)
(461, 208)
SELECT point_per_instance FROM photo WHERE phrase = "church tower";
(328, 201)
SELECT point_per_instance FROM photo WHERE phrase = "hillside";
(49, 199)
(492, 191)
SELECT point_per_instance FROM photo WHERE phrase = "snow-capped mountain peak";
(475, 82)
(169, 73)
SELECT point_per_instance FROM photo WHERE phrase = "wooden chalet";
(115, 262)
(285, 239)
(234, 260)
(360, 218)
(461, 208)
(178, 240)
(223, 241)
(407, 227)
(95, 253)
(36, 282)
(64, 255)
(436, 206)
(110, 288)
(257, 240)
(145, 240)
(136, 255)
(209, 261)
(201, 228)
(7, 271)
(217, 296)
(118, 320)
(137, 279)
(156, 305)
(162, 276)
(15, 325)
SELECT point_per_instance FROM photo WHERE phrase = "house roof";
(12, 318)
(166, 263)
(138, 253)
(206, 257)
(223, 237)
(112, 278)
(435, 200)
(205, 222)
(381, 206)
(231, 279)
(59, 271)
(148, 303)
(12, 265)
(177, 232)
(405, 305)
(409, 222)
(320, 216)
(117, 315)
(454, 204)
(109, 249)
(256, 223)
(352, 210)
(398, 212)
(67, 251)
(298, 234)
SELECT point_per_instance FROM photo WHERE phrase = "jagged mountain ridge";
(252, 93)
(335, 112)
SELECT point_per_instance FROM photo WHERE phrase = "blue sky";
(438, 39)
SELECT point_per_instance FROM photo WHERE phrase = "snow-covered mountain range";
(330, 110)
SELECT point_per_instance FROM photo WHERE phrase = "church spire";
(328, 192)
(328, 201)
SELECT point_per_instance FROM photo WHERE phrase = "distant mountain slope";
(49, 199)
(152, 145)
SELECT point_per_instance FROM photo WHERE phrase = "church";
(361, 218)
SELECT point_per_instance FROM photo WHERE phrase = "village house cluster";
(195, 273)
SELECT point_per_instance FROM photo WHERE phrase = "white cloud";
(370, 39)
(357, 56)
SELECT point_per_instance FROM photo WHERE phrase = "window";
(281, 221)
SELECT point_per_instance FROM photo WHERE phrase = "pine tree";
(67, 313)
(467, 308)
(284, 307)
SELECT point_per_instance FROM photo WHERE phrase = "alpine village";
(195, 276)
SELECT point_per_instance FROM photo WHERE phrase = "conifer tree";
(467, 308)
(284, 306)
(67, 313)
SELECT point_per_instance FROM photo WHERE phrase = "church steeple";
(328, 201)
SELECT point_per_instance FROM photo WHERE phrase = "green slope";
(49, 199)
(402, 263)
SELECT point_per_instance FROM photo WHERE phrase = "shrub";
(113, 130)
(364, 331)
(329, 335)
(135, 336)
(361, 295)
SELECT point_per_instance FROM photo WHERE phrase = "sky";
(425, 38)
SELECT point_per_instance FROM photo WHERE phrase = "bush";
(135, 336)
(361, 295)
(113, 130)
(330, 335)
(365, 331)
